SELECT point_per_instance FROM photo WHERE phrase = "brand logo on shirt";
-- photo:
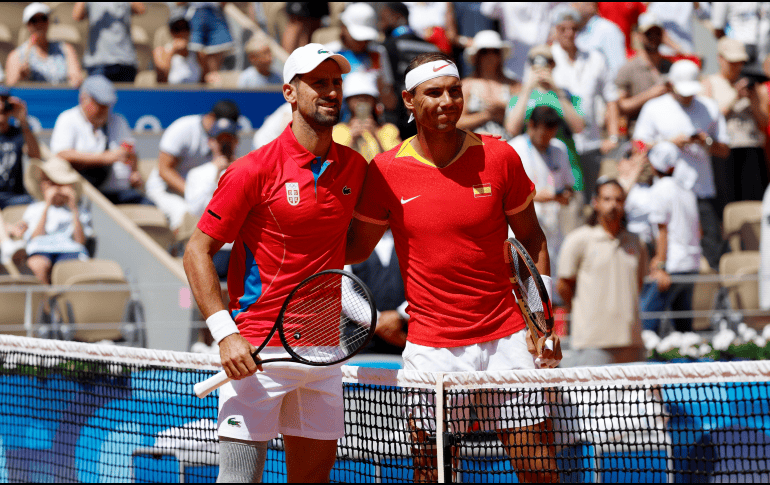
(482, 190)
(292, 193)
(408, 200)
(346, 190)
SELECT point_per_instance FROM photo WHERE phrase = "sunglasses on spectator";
(38, 19)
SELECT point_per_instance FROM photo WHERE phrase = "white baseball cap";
(361, 21)
(358, 83)
(664, 156)
(683, 76)
(33, 9)
(306, 58)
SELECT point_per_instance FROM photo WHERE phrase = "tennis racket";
(326, 319)
(529, 290)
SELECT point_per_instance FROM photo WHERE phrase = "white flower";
(650, 339)
(690, 352)
(749, 335)
(723, 339)
(691, 339)
(760, 341)
(742, 327)
(704, 350)
(766, 332)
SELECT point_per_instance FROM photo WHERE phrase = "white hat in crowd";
(488, 39)
(358, 83)
(361, 21)
(683, 76)
(306, 58)
(58, 170)
(647, 21)
(664, 156)
(33, 9)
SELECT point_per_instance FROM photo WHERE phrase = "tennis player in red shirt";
(286, 207)
(448, 196)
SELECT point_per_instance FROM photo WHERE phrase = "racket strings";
(327, 319)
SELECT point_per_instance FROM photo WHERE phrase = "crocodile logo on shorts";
(234, 422)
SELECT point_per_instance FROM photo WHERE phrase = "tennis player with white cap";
(286, 207)
(448, 196)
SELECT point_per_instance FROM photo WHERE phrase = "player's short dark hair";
(545, 115)
(226, 108)
(425, 58)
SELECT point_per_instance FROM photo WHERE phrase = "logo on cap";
(321, 51)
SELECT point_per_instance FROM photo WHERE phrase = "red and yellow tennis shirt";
(288, 213)
(449, 225)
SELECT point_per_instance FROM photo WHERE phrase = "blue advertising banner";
(151, 110)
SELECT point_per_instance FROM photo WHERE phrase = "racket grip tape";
(204, 388)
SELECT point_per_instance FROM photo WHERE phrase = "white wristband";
(548, 283)
(221, 325)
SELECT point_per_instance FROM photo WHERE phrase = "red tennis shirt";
(288, 216)
(449, 225)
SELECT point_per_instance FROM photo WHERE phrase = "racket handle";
(204, 388)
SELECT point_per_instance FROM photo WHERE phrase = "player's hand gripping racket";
(325, 320)
(530, 292)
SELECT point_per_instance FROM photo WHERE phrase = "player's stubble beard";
(316, 117)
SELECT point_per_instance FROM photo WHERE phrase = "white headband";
(426, 72)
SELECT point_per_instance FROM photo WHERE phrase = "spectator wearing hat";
(598, 33)
(524, 24)
(674, 213)
(585, 74)
(744, 104)
(546, 162)
(694, 124)
(363, 132)
(202, 181)
(174, 62)
(184, 146)
(357, 36)
(745, 22)
(98, 143)
(58, 224)
(110, 50)
(402, 45)
(643, 77)
(37, 59)
(260, 72)
(209, 37)
(488, 90)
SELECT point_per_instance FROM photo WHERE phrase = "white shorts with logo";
(287, 398)
(494, 410)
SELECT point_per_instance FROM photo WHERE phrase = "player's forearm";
(203, 279)
(81, 160)
(566, 289)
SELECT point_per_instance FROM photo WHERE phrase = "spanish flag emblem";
(483, 190)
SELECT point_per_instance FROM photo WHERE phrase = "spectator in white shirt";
(260, 72)
(598, 33)
(273, 126)
(202, 181)
(585, 74)
(694, 124)
(764, 248)
(525, 24)
(98, 143)
(674, 213)
(183, 146)
(546, 162)
(174, 62)
(57, 225)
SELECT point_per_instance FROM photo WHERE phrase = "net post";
(439, 414)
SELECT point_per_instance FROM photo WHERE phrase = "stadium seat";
(152, 221)
(186, 229)
(143, 46)
(277, 19)
(227, 80)
(99, 309)
(741, 222)
(13, 305)
(6, 43)
(13, 213)
(704, 296)
(146, 79)
(11, 13)
(743, 295)
(155, 18)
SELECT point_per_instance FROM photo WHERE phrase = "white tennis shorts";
(287, 398)
(493, 410)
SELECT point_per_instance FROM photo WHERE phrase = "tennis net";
(75, 412)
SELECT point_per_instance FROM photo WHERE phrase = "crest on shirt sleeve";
(292, 193)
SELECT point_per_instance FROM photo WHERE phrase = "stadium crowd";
(634, 153)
